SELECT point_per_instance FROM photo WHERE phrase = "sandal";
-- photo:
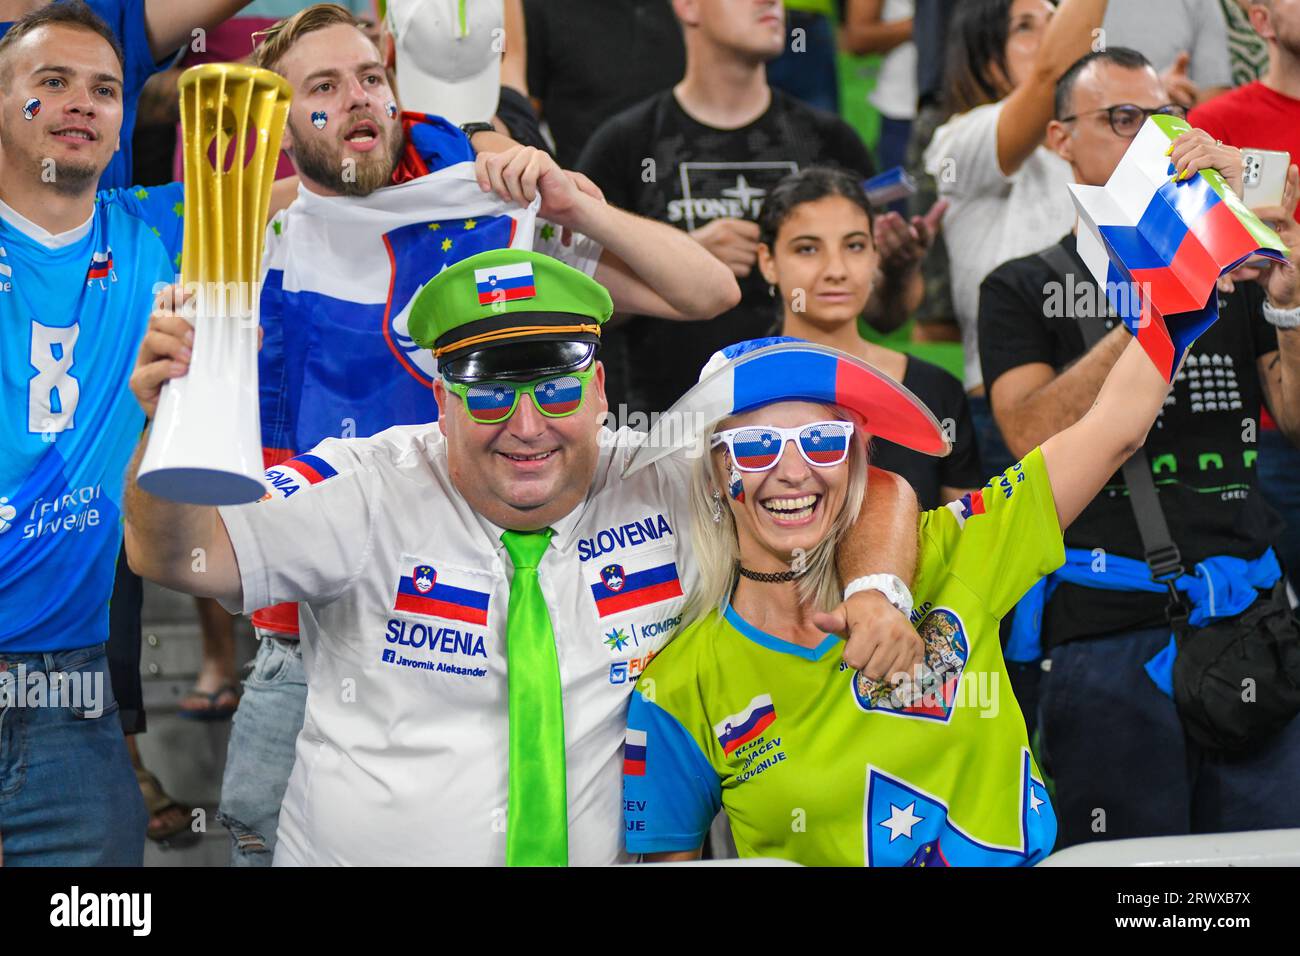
(157, 802)
(210, 709)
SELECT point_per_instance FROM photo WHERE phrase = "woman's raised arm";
(1030, 105)
(1082, 458)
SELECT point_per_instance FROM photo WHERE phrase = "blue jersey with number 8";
(73, 317)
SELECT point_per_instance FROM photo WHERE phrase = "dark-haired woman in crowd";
(817, 253)
(1007, 192)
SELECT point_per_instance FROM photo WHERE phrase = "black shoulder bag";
(1237, 681)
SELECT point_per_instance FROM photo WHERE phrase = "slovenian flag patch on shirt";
(422, 592)
(620, 590)
(739, 729)
(312, 467)
(634, 753)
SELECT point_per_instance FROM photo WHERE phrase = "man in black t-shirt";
(702, 156)
(1112, 739)
(589, 59)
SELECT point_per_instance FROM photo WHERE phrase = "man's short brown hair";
(71, 13)
(278, 39)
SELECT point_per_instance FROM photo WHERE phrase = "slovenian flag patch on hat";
(505, 282)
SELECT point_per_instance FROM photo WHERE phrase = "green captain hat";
(509, 314)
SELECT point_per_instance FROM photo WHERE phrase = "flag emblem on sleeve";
(634, 753)
(966, 506)
(739, 729)
(311, 467)
(505, 282)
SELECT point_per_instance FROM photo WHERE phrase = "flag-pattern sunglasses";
(555, 396)
(759, 447)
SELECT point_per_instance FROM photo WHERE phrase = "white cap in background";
(448, 56)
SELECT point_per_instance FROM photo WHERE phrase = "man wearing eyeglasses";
(478, 595)
(1111, 737)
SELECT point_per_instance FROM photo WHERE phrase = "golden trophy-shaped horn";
(206, 447)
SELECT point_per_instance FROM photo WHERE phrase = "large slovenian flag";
(739, 729)
(1157, 246)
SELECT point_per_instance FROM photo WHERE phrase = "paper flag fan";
(1157, 246)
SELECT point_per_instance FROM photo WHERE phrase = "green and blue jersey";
(812, 762)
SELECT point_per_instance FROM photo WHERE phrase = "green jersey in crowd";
(817, 764)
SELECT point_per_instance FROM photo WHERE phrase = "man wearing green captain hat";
(478, 595)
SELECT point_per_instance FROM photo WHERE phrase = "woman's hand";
(902, 243)
(1280, 279)
(1196, 150)
(879, 641)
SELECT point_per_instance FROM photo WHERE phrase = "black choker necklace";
(768, 578)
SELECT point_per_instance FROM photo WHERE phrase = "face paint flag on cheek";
(318, 119)
(31, 108)
(735, 484)
(391, 108)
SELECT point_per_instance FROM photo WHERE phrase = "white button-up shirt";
(403, 755)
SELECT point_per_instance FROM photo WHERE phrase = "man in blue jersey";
(77, 274)
(150, 33)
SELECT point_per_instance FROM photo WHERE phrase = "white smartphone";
(1263, 177)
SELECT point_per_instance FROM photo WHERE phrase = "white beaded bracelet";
(1282, 318)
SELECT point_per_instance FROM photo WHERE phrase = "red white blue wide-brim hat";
(760, 372)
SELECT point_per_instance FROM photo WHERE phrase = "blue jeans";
(1123, 767)
(1279, 480)
(68, 795)
(259, 758)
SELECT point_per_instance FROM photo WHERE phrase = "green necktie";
(537, 830)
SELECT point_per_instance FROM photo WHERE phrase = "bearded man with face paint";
(77, 271)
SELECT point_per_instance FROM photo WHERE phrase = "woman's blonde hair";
(717, 548)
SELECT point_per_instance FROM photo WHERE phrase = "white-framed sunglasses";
(759, 447)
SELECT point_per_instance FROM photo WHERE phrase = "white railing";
(1250, 848)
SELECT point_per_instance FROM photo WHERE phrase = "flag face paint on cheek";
(31, 108)
(735, 484)
(391, 108)
(319, 119)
